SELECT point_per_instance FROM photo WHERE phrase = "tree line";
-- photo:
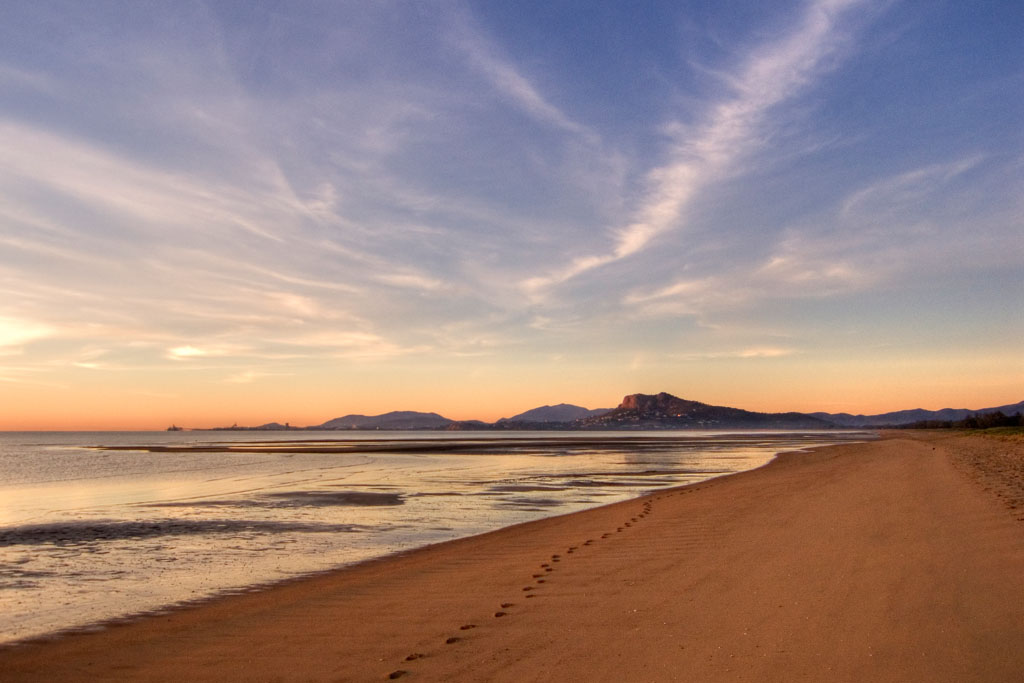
(977, 421)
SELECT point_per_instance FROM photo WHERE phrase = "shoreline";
(67, 571)
(234, 593)
(689, 562)
(500, 446)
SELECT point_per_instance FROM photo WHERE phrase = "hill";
(397, 419)
(665, 411)
(563, 412)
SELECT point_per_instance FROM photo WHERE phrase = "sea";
(102, 527)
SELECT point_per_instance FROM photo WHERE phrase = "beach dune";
(895, 560)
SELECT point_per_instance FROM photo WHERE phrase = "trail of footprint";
(546, 566)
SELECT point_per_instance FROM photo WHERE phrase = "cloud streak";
(732, 128)
(896, 228)
(505, 78)
(15, 332)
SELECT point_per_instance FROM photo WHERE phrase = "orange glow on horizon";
(42, 411)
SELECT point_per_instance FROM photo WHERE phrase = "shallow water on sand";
(100, 526)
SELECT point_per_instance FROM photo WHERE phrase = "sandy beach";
(895, 560)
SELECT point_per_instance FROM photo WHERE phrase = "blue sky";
(294, 210)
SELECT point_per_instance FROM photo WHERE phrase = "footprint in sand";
(467, 627)
(500, 614)
(506, 605)
(397, 674)
(414, 656)
(453, 639)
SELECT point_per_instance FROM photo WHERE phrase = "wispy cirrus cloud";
(250, 376)
(187, 351)
(15, 332)
(103, 181)
(752, 353)
(504, 77)
(905, 190)
(12, 77)
(897, 227)
(732, 128)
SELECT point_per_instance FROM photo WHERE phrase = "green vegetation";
(1002, 433)
(996, 420)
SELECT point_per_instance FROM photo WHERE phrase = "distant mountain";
(643, 411)
(903, 417)
(398, 419)
(665, 411)
(269, 427)
(273, 427)
(563, 412)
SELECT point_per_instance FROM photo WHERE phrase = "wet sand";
(895, 560)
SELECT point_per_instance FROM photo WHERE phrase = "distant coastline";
(661, 411)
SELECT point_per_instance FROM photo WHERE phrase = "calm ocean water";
(89, 534)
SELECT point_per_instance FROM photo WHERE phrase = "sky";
(234, 212)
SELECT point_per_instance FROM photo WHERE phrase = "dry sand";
(896, 560)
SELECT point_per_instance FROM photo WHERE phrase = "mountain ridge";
(902, 417)
(641, 411)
